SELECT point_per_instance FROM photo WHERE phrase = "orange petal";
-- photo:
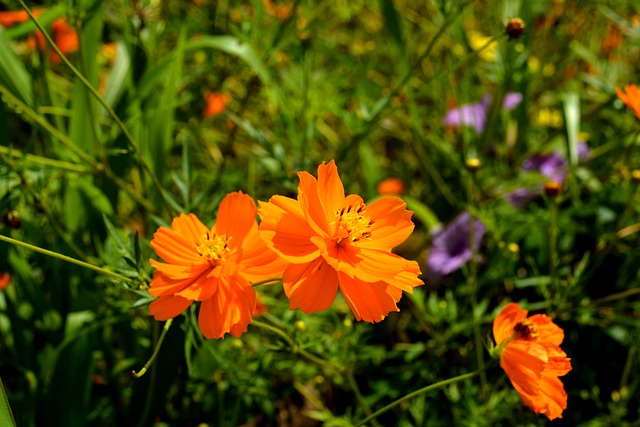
(179, 271)
(524, 365)
(258, 262)
(201, 289)
(189, 226)
(370, 302)
(236, 217)
(506, 320)
(229, 310)
(392, 224)
(172, 247)
(330, 189)
(285, 230)
(161, 284)
(312, 207)
(310, 287)
(553, 398)
(547, 330)
(168, 307)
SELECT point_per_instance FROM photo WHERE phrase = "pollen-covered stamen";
(213, 247)
(353, 224)
(525, 330)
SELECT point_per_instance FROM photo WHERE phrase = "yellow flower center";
(353, 224)
(213, 247)
(525, 330)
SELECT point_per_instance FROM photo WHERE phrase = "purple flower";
(552, 166)
(450, 247)
(475, 115)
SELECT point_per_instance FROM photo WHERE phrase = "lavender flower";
(475, 115)
(450, 247)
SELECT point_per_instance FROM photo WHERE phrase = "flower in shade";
(64, 36)
(530, 354)
(390, 186)
(216, 103)
(631, 97)
(215, 266)
(333, 241)
(450, 248)
(475, 115)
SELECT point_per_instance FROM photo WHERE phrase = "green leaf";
(6, 416)
(392, 22)
(13, 75)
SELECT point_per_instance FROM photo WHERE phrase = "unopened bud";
(635, 175)
(552, 189)
(515, 28)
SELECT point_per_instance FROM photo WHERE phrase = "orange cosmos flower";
(631, 97)
(530, 354)
(333, 241)
(213, 265)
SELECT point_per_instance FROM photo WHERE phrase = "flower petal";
(330, 189)
(162, 284)
(370, 302)
(189, 226)
(547, 330)
(236, 217)
(311, 205)
(392, 224)
(506, 320)
(229, 310)
(285, 230)
(174, 248)
(310, 287)
(168, 307)
(200, 289)
(554, 398)
(258, 261)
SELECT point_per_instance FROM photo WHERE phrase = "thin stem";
(361, 401)
(295, 348)
(418, 392)
(473, 284)
(21, 108)
(65, 258)
(106, 106)
(553, 253)
(45, 161)
(156, 350)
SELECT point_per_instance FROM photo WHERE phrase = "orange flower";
(530, 354)
(12, 17)
(5, 280)
(282, 12)
(64, 36)
(216, 103)
(390, 186)
(215, 266)
(333, 241)
(631, 97)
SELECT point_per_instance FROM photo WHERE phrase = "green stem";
(156, 350)
(295, 348)
(553, 255)
(418, 392)
(45, 161)
(361, 401)
(106, 106)
(473, 283)
(65, 258)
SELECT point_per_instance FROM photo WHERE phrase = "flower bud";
(473, 164)
(552, 189)
(515, 28)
